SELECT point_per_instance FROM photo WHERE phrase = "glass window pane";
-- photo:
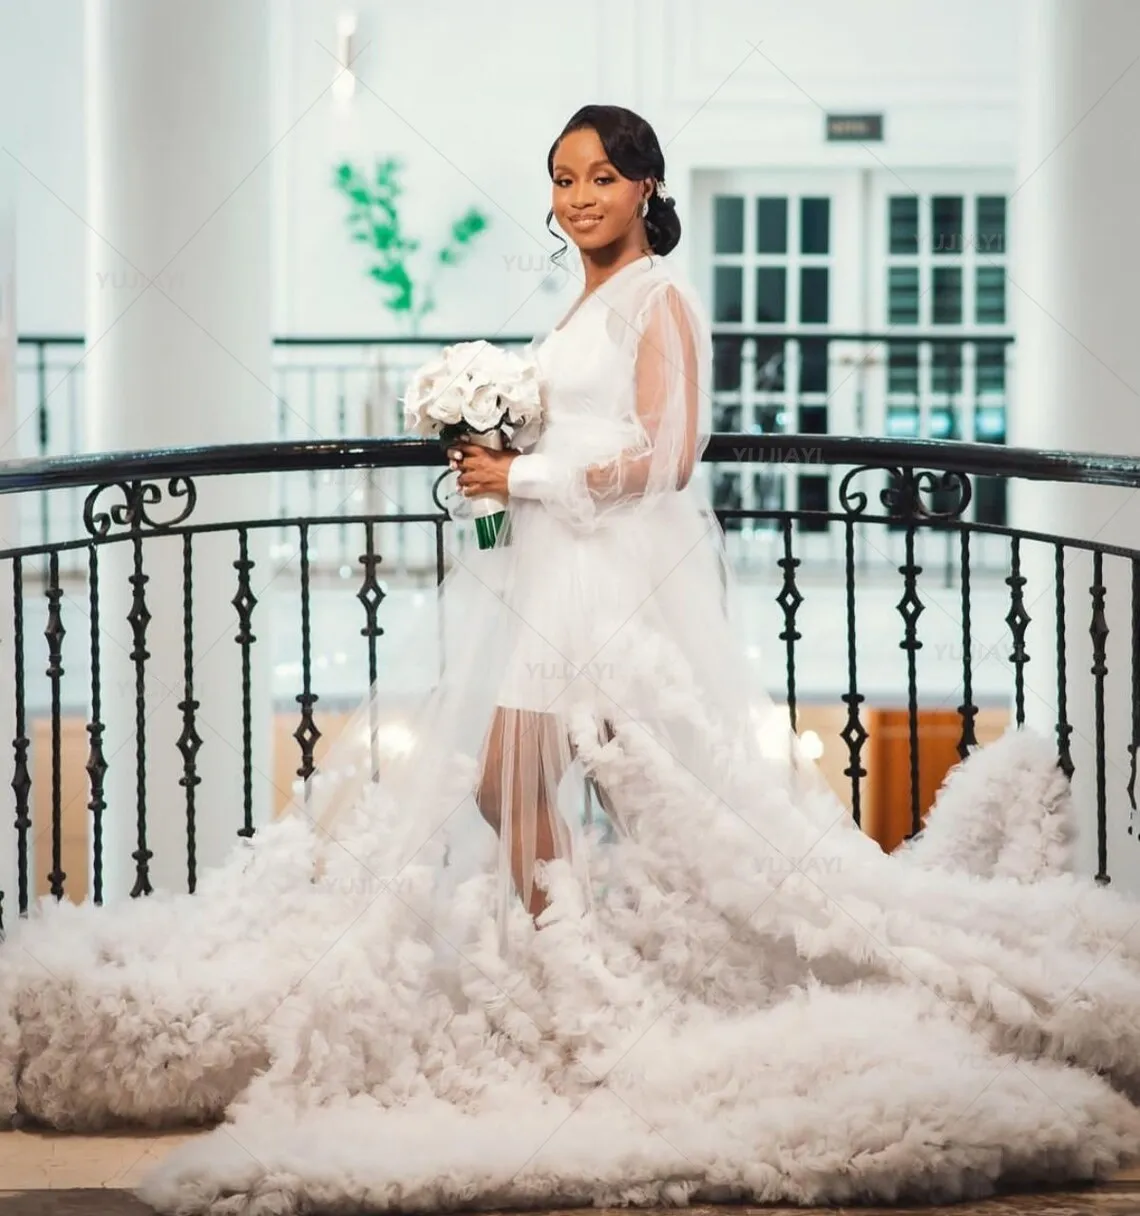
(947, 233)
(989, 424)
(946, 367)
(902, 367)
(770, 365)
(813, 295)
(991, 224)
(813, 420)
(815, 225)
(812, 494)
(726, 363)
(771, 225)
(728, 293)
(771, 419)
(991, 295)
(728, 224)
(771, 293)
(989, 374)
(902, 421)
(947, 306)
(904, 224)
(902, 295)
(726, 417)
(943, 423)
(813, 365)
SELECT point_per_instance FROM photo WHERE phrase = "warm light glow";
(392, 738)
(344, 83)
(771, 731)
(811, 745)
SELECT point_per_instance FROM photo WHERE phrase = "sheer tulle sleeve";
(671, 358)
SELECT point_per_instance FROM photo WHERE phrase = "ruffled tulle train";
(758, 1006)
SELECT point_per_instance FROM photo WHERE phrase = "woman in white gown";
(600, 934)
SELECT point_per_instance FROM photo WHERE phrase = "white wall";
(471, 94)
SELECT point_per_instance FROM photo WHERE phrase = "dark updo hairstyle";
(632, 148)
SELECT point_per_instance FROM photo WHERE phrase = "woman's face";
(593, 204)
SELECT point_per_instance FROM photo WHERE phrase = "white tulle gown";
(731, 994)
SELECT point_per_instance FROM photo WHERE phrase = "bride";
(598, 932)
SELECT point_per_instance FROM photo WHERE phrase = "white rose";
(424, 386)
(464, 357)
(483, 411)
(417, 422)
(501, 365)
(447, 407)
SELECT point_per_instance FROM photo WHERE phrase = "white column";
(179, 353)
(1074, 284)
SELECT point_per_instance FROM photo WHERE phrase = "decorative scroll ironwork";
(435, 485)
(152, 495)
(134, 513)
(906, 492)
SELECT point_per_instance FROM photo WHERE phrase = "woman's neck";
(598, 266)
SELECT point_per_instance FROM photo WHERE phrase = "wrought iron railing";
(163, 554)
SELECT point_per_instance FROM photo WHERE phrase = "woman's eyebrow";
(591, 165)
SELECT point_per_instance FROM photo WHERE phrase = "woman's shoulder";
(658, 285)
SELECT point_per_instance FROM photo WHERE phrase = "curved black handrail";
(993, 460)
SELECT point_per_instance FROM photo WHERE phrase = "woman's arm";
(667, 403)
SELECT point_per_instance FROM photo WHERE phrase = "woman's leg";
(524, 757)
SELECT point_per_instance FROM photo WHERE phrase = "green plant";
(374, 220)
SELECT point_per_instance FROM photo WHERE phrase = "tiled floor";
(51, 1174)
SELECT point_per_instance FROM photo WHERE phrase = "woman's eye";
(603, 179)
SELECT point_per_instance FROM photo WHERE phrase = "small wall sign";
(854, 126)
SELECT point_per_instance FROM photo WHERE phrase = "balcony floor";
(53, 1174)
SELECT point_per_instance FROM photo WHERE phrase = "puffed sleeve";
(671, 365)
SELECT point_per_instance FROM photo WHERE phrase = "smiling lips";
(586, 221)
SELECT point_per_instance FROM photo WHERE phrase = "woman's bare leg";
(517, 741)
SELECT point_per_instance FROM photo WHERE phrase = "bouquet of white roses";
(483, 394)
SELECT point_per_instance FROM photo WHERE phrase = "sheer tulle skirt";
(553, 638)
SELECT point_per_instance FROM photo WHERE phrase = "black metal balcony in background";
(904, 384)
